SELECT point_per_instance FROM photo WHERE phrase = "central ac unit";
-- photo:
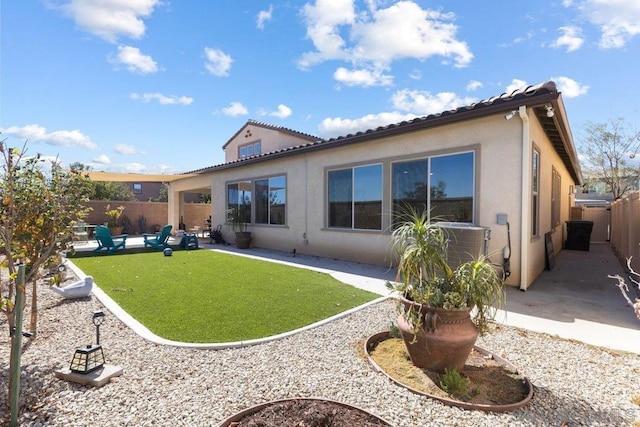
(466, 241)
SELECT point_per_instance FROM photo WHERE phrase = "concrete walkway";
(575, 300)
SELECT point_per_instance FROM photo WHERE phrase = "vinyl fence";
(625, 229)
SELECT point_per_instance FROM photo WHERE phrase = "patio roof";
(135, 177)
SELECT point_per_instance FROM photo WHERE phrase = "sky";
(159, 86)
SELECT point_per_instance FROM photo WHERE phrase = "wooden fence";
(625, 229)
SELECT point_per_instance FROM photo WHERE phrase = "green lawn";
(206, 297)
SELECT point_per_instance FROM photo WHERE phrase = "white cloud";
(374, 38)
(619, 20)
(282, 112)
(162, 99)
(408, 104)
(235, 109)
(135, 61)
(64, 138)
(338, 126)
(424, 103)
(134, 167)
(515, 85)
(415, 75)
(571, 38)
(474, 85)
(102, 159)
(218, 63)
(569, 87)
(126, 149)
(264, 16)
(110, 19)
(362, 77)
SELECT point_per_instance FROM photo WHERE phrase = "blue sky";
(154, 86)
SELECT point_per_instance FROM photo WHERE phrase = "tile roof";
(272, 127)
(535, 96)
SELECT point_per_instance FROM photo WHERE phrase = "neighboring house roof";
(272, 127)
(537, 97)
(133, 177)
(592, 199)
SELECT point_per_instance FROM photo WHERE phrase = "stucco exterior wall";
(502, 149)
(549, 160)
(497, 147)
(270, 140)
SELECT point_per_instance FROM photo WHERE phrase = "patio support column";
(175, 207)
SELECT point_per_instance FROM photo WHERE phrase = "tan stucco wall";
(548, 160)
(498, 145)
(270, 140)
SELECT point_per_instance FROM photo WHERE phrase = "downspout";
(525, 203)
(305, 237)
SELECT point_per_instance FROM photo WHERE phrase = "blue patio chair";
(158, 240)
(107, 242)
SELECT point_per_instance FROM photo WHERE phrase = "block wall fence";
(154, 213)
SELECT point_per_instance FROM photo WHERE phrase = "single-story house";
(500, 173)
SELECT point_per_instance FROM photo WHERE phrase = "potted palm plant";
(238, 221)
(113, 215)
(442, 310)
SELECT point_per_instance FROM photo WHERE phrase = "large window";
(535, 199)
(451, 184)
(355, 198)
(270, 199)
(239, 198)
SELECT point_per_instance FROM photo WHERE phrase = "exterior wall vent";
(466, 241)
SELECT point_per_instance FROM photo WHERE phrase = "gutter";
(525, 202)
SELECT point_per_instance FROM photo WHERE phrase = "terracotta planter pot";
(236, 418)
(243, 239)
(115, 230)
(443, 341)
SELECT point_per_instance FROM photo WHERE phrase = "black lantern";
(91, 357)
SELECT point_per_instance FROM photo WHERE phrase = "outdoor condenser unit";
(466, 241)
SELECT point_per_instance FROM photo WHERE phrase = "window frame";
(269, 205)
(535, 192)
(353, 199)
(251, 149)
(428, 203)
(556, 185)
(238, 204)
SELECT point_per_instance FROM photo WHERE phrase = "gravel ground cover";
(575, 384)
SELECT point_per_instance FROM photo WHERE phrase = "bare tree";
(607, 149)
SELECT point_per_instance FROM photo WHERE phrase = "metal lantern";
(91, 357)
(87, 359)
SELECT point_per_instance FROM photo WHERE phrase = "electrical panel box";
(502, 219)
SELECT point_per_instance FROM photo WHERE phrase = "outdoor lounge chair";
(158, 240)
(107, 242)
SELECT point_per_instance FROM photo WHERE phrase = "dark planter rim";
(253, 409)
(375, 339)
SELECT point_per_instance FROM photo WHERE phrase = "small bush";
(454, 383)
(394, 331)
(142, 224)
